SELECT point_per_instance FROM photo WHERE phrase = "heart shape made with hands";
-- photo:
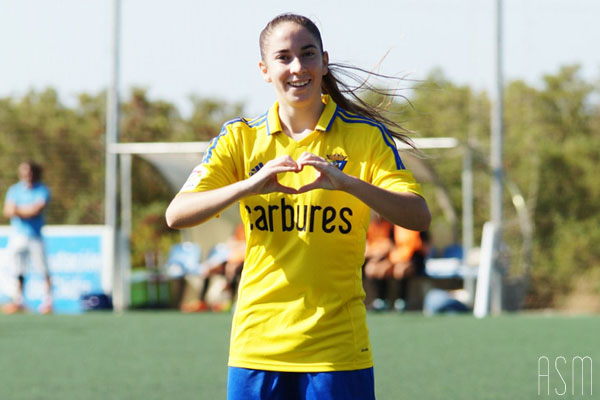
(299, 178)
(303, 179)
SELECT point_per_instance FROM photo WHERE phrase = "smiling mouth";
(299, 84)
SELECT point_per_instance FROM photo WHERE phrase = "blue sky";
(209, 48)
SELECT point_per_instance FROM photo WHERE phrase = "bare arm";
(32, 210)
(28, 211)
(405, 209)
(10, 209)
(193, 208)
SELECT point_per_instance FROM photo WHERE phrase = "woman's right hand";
(192, 208)
(265, 180)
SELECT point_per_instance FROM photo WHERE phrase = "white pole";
(122, 303)
(489, 280)
(485, 274)
(497, 127)
(497, 132)
(112, 136)
(467, 202)
(467, 217)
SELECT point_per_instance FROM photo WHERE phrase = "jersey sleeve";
(10, 195)
(44, 195)
(218, 166)
(387, 169)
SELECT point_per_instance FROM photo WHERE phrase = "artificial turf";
(168, 355)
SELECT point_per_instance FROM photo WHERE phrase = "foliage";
(70, 142)
(552, 137)
(551, 142)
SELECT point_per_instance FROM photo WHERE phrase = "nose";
(296, 65)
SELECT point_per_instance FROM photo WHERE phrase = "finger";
(304, 155)
(272, 170)
(283, 160)
(281, 168)
(284, 189)
(318, 163)
(311, 186)
(305, 158)
(288, 157)
(286, 160)
(309, 156)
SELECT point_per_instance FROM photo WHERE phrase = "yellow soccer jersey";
(300, 304)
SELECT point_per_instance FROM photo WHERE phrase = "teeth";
(299, 84)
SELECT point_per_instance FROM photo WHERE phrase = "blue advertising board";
(79, 263)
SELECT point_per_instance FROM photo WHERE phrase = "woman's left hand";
(329, 176)
(406, 209)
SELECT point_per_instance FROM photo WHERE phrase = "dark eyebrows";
(308, 46)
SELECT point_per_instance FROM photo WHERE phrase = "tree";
(70, 143)
(552, 137)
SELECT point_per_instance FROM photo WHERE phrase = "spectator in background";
(25, 204)
(408, 260)
(226, 260)
(235, 262)
(380, 241)
(212, 267)
(393, 252)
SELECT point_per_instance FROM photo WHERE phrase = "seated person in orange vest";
(400, 259)
(235, 262)
(380, 241)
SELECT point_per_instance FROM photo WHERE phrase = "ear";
(325, 63)
(264, 71)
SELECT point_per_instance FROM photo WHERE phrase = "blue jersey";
(21, 195)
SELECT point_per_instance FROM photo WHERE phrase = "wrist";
(245, 188)
(351, 185)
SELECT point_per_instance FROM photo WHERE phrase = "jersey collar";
(325, 120)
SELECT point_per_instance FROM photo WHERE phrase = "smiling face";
(295, 64)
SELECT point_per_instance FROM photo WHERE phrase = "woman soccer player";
(305, 174)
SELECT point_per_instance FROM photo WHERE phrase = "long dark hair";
(344, 94)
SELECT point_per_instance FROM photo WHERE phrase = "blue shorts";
(253, 384)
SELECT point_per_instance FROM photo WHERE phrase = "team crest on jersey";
(337, 159)
(256, 168)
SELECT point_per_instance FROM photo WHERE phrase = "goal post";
(488, 295)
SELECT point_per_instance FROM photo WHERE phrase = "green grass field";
(168, 355)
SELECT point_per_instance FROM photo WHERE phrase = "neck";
(299, 120)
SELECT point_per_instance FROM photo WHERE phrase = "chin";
(303, 100)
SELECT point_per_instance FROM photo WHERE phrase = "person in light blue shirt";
(25, 204)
